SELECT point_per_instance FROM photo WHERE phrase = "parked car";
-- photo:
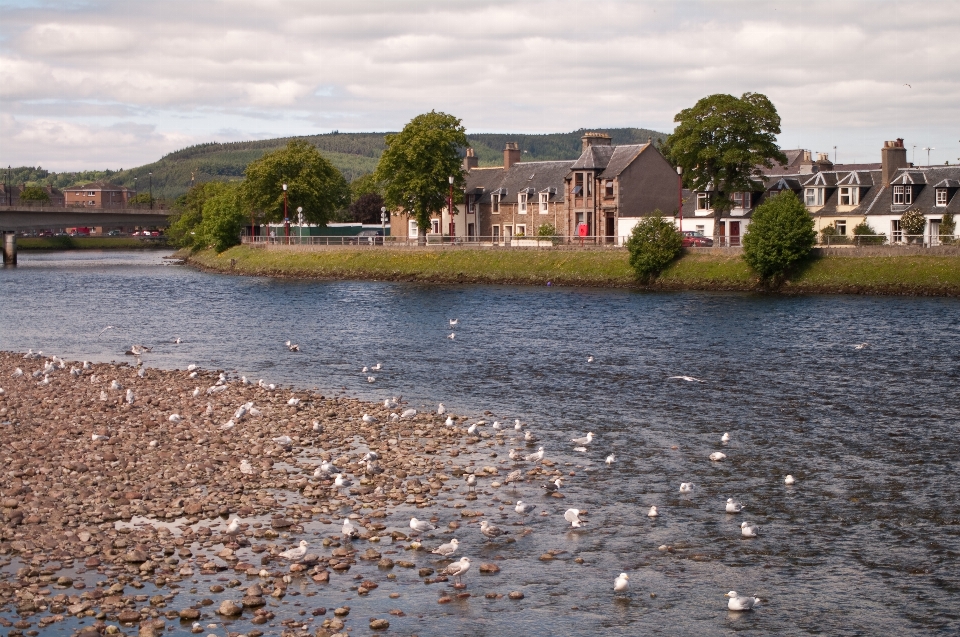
(370, 237)
(113, 233)
(693, 239)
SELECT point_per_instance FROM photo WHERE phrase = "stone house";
(98, 194)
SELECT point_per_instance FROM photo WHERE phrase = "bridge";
(33, 218)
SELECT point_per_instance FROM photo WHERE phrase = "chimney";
(806, 164)
(893, 156)
(511, 155)
(594, 139)
(823, 162)
(470, 161)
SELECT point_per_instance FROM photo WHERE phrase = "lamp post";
(383, 223)
(300, 223)
(135, 187)
(680, 196)
(151, 190)
(286, 219)
(453, 228)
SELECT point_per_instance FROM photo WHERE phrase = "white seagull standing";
(297, 553)
(524, 509)
(234, 527)
(586, 440)
(622, 583)
(535, 457)
(421, 526)
(441, 410)
(741, 603)
(573, 517)
(725, 437)
(686, 487)
(652, 513)
(457, 569)
(611, 459)
(454, 321)
(448, 549)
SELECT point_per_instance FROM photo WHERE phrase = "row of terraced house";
(606, 191)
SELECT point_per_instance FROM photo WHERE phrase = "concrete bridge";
(33, 218)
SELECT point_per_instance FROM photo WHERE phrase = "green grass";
(87, 243)
(939, 275)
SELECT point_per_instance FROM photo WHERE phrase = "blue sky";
(110, 84)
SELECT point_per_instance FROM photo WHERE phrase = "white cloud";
(185, 70)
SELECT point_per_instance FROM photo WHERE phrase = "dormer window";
(813, 196)
(849, 196)
(902, 195)
(578, 185)
(703, 201)
(741, 200)
(941, 196)
(544, 201)
(522, 200)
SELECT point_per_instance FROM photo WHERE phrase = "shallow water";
(867, 541)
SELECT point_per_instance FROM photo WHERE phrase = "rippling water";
(866, 542)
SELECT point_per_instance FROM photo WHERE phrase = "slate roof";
(925, 182)
(97, 185)
(482, 182)
(608, 161)
(531, 176)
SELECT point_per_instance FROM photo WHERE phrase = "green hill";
(354, 154)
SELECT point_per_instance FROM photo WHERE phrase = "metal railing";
(440, 241)
(895, 239)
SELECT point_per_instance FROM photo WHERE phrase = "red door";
(734, 234)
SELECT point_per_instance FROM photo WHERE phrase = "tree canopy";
(416, 166)
(780, 235)
(188, 212)
(653, 244)
(722, 142)
(34, 193)
(313, 183)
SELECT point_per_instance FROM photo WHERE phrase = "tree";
(141, 198)
(187, 214)
(223, 217)
(417, 164)
(864, 234)
(313, 183)
(947, 228)
(780, 235)
(653, 244)
(366, 209)
(364, 185)
(34, 193)
(723, 142)
(912, 222)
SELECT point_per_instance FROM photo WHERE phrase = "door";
(934, 232)
(471, 231)
(507, 235)
(610, 230)
(734, 234)
(496, 234)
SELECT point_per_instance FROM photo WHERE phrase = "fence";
(898, 239)
(440, 241)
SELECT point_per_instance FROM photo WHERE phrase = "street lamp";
(151, 190)
(286, 219)
(135, 186)
(300, 223)
(453, 229)
(680, 196)
(383, 222)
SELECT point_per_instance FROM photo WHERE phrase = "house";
(98, 194)
(10, 196)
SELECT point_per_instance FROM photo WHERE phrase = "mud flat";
(114, 517)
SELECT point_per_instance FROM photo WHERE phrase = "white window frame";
(738, 200)
(522, 203)
(435, 226)
(544, 203)
(412, 228)
(851, 194)
(896, 234)
(902, 195)
(813, 196)
(699, 229)
(520, 228)
(941, 196)
(703, 201)
(472, 205)
(495, 204)
(841, 226)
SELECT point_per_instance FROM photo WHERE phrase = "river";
(867, 541)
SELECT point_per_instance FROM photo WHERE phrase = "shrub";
(34, 193)
(653, 245)
(865, 235)
(548, 231)
(223, 217)
(912, 222)
(948, 227)
(780, 235)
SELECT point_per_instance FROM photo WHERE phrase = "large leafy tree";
(188, 212)
(780, 235)
(416, 166)
(313, 183)
(223, 218)
(723, 142)
(34, 193)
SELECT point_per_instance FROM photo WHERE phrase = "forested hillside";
(355, 154)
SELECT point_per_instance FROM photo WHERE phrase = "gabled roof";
(947, 183)
(608, 161)
(858, 178)
(98, 185)
(906, 177)
(823, 180)
(532, 177)
(594, 158)
(787, 182)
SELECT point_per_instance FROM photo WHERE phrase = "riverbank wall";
(90, 243)
(834, 271)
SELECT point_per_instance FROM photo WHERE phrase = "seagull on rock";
(535, 457)
(421, 526)
(349, 530)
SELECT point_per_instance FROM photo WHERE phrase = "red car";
(692, 239)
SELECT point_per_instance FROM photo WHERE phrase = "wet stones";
(229, 608)
(379, 624)
(489, 568)
(515, 595)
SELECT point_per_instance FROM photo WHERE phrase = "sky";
(118, 83)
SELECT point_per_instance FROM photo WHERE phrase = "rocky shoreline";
(114, 484)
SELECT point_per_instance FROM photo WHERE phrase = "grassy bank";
(913, 274)
(88, 243)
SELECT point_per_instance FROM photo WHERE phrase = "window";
(588, 177)
(544, 202)
(813, 196)
(703, 201)
(496, 234)
(435, 226)
(495, 203)
(521, 229)
(895, 232)
(941, 196)
(841, 226)
(578, 184)
(849, 196)
(699, 229)
(741, 200)
(471, 204)
(413, 229)
(902, 195)
(522, 200)
(608, 188)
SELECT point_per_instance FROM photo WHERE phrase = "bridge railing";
(135, 208)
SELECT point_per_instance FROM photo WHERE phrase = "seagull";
(652, 513)
(515, 455)
(421, 526)
(907, 85)
(130, 397)
(87, 365)
(364, 370)
(573, 517)
(586, 440)
(392, 403)
(497, 425)
(371, 455)
(472, 428)
(448, 549)
(191, 367)
(230, 424)
(622, 583)
(553, 487)
(749, 530)
(490, 531)
(689, 379)
(17, 373)
(293, 402)
(789, 480)
(340, 482)
(316, 424)
(409, 413)
(449, 421)
(234, 527)
(535, 457)
(371, 379)
(471, 482)
(734, 506)
(524, 509)
(611, 459)
(45, 381)
(452, 336)
(725, 437)
(717, 456)
(283, 441)
(96, 437)
(454, 321)
(328, 467)
(192, 375)
(115, 386)
(589, 359)
(686, 487)
(860, 345)
(109, 327)
(528, 436)
(297, 553)
(367, 418)
(349, 530)
(177, 341)
(377, 367)
(75, 371)
(175, 419)
(513, 476)
(457, 569)
(242, 411)
(292, 346)
(517, 425)
(441, 410)
(741, 603)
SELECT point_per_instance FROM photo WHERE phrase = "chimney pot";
(594, 139)
(511, 155)
(893, 157)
